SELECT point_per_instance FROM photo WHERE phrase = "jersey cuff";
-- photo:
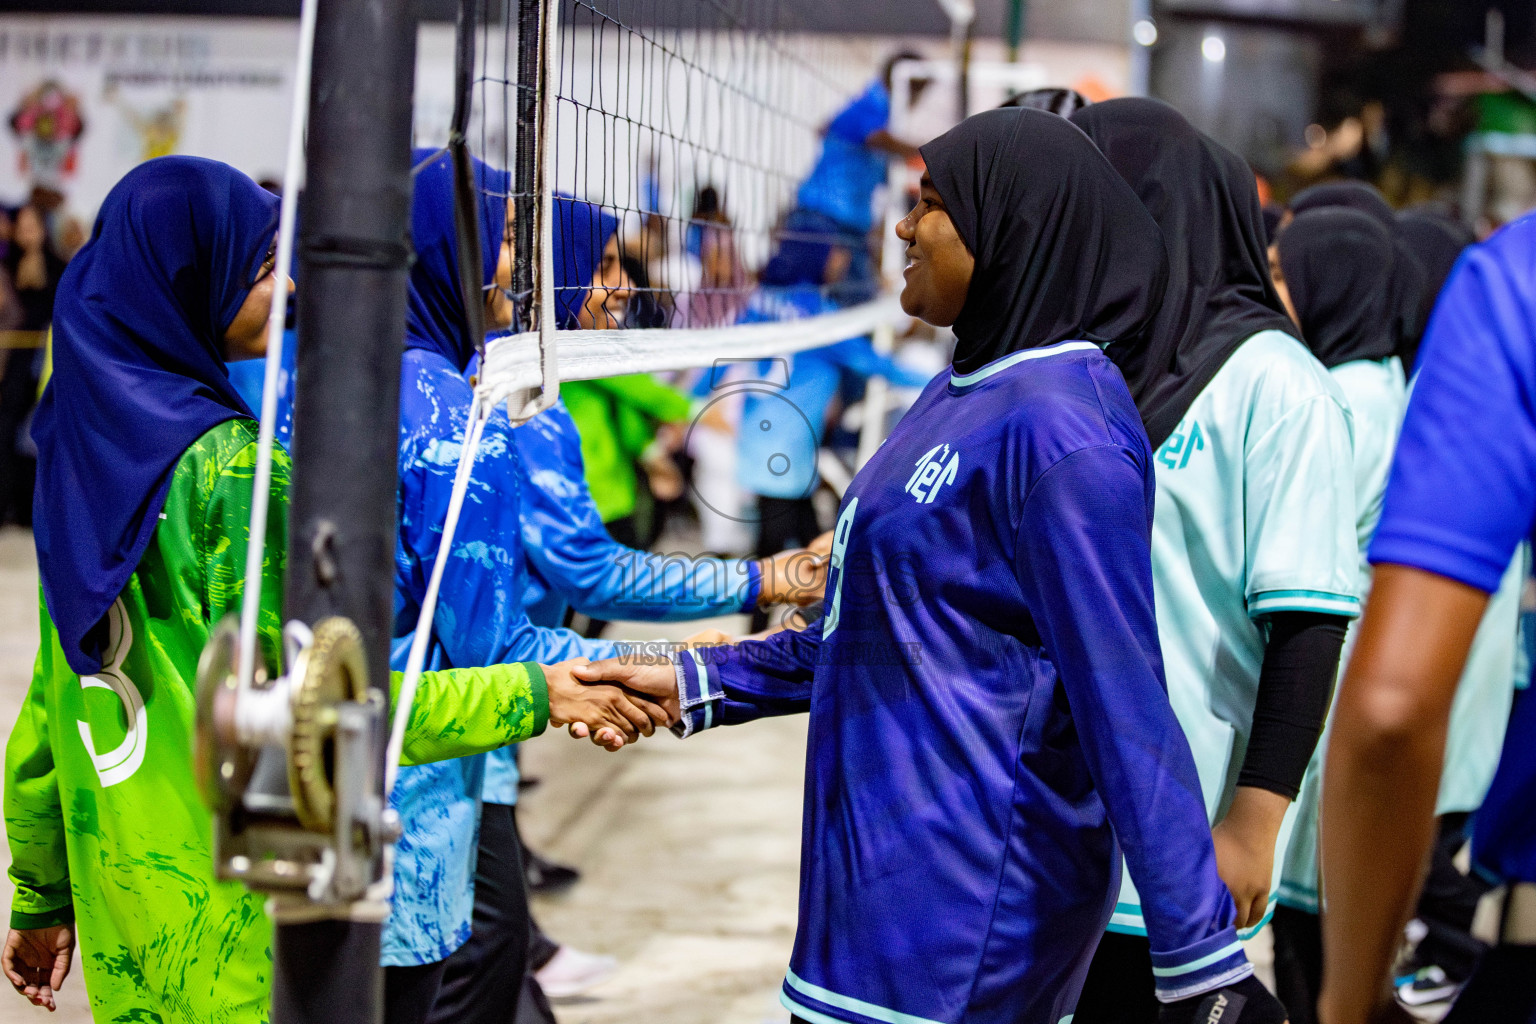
(1268, 602)
(538, 688)
(823, 1006)
(43, 919)
(1208, 964)
(698, 692)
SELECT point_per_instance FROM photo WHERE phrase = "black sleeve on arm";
(1301, 662)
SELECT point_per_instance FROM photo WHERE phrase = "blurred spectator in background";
(10, 308)
(835, 203)
(711, 240)
(34, 267)
(70, 235)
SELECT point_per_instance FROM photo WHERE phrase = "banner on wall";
(85, 99)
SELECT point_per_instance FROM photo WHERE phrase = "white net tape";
(512, 363)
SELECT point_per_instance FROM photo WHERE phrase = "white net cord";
(255, 555)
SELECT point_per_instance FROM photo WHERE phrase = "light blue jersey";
(1377, 394)
(1255, 515)
(1378, 397)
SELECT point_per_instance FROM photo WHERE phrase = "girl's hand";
(1245, 850)
(37, 960)
(653, 677)
(604, 713)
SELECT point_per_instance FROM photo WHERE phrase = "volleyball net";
(693, 124)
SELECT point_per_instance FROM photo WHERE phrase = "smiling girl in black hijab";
(1254, 558)
(989, 726)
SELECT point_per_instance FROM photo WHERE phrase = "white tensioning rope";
(255, 553)
(474, 428)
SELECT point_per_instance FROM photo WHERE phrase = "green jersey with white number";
(102, 811)
(1255, 515)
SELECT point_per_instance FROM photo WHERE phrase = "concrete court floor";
(690, 852)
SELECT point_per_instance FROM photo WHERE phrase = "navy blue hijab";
(138, 375)
(581, 234)
(435, 318)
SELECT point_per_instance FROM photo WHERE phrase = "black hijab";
(1204, 199)
(1339, 265)
(1408, 283)
(1354, 195)
(1436, 242)
(1063, 249)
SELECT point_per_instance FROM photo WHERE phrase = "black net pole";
(525, 156)
(353, 258)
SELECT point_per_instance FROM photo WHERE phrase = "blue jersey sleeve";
(572, 551)
(1463, 485)
(738, 683)
(867, 114)
(480, 617)
(1084, 563)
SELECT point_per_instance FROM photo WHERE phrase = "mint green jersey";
(102, 811)
(1484, 695)
(1377, 394)
(1377, 397)
(1255, 515)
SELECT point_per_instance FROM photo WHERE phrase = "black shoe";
(545, 876)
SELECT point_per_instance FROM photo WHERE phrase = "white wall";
(221, 87)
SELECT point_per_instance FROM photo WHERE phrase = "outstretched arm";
(572, 550)
(464, 711)
(701, 688)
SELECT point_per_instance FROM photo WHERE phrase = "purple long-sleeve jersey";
(988, 715)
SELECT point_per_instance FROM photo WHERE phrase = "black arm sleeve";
(1301, 661)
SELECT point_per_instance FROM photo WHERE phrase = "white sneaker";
(571, 972)
(1427, 994)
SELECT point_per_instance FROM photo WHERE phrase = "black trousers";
(1502, 989)
(1298, 962)
(484, 979)
(409, 992)
(783, 523)
(1120, 988)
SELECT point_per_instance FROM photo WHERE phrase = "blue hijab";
(581, 234)
(138, 375)
(435, 319)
